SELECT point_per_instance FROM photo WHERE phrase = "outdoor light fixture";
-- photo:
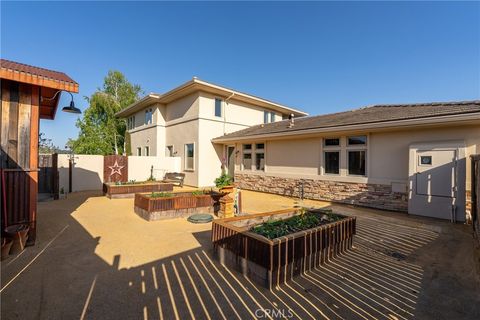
(71, 108)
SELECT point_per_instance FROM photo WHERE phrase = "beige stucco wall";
(146, 136)
(192, 119)
(139, 168)
(387, 154)
(87, 173)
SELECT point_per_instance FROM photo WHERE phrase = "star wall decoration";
(116, 169)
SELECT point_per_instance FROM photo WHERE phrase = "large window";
(139, 151)
(331, 155)
(190, 156)
(148, 116)
(247, 157)
(356, 162)
(332, 162)
(218, 108)
(147, 151)
(260, 156)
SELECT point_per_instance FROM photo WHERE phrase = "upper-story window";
(148, 116)
(131, 123)
(218, 108)
(268, 116)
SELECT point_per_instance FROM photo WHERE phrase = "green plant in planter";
(161, 195)
(305, 220)
(198, 192)
(223, 181)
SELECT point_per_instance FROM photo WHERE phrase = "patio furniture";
(174, 177)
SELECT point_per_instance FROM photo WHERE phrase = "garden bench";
(174, 177)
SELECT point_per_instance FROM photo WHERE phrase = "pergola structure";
(28, 94)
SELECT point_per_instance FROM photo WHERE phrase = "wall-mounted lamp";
(71, 108)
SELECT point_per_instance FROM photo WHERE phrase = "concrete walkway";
(95, 259)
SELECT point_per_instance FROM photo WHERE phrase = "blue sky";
(318, 57)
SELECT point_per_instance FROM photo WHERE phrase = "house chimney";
(292, 120)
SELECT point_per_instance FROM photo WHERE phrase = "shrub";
(223, 181)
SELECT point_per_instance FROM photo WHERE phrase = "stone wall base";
(377, 196)
(170, 214)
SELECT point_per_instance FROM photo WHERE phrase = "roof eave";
(137, 106)
(356, 127)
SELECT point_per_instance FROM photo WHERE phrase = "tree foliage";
(45, 145)
(99, 129)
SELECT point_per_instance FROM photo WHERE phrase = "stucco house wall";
(191, 119)
(288, 161)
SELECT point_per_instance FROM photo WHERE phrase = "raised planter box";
(182, 204)
(114, 191)
(272, 262)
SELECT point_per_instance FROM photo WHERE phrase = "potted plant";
(224, 183)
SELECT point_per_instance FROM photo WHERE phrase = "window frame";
(148, 116)
(339, 151)
(186, 157)
(215, 108)
(147, 151)
(335, 148)
(259, 151)
(348, 162)
(247, 151)
(139, 151)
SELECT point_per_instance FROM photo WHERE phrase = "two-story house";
(183, 121)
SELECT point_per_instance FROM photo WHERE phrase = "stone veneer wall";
(368, 195)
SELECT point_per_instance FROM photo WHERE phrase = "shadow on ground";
(397, 270)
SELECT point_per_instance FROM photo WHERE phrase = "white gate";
(437, 180)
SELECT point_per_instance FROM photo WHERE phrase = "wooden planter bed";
(182, 204)
(272, 262)
(114, 191)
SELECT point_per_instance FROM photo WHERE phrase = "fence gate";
(48, 174)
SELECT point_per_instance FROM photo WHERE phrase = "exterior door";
(435, 188)
(231, 160)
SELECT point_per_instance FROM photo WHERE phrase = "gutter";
(363, 126)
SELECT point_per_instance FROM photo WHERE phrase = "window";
(358, 140)
(247, 161)
(330, 142)
(356, 162)
(148, 116)
(332, 162)
(218, 108)
(247, 157)
(169, 151)
(260, 156)
(425, 160)
(147, 151)
(139, 151)
(189, 156)
(268, 117)
(131, 123)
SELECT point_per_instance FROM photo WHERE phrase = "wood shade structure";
(28, 94)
